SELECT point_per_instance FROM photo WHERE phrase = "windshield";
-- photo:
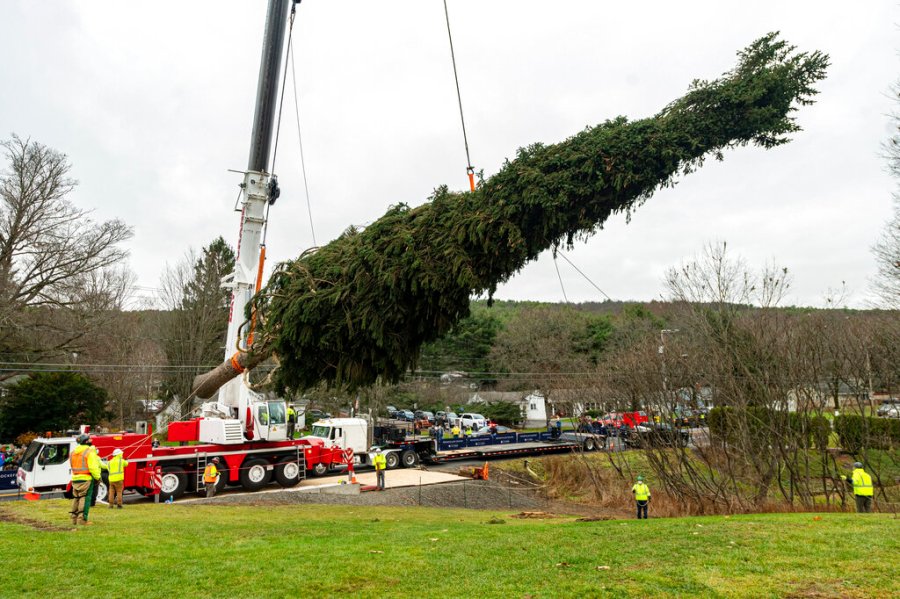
(277, 413)
(321, 431)
(28, 459)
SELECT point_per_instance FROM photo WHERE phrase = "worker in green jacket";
(641, 494)
(380, 463)
(116, 466)
(291, 421)
(86, 474)
(863, 490)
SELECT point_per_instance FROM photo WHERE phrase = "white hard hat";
(377, 450)
(117, 452)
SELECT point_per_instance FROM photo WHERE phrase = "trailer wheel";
(287, 473)
(392, 460)
(255, 474)
(589, 444)
(320, 469)
(409, 458)
(174, 482)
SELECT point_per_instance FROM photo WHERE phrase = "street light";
(662, 355)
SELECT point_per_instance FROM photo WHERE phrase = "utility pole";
(662, 356)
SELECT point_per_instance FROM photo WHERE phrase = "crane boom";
(260, 418)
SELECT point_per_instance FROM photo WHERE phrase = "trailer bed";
(491, 451)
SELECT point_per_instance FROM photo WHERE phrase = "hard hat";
(117, 452)
(640, 478)
(215, 460)
(857, 465)
(377, 450)
(83, 439)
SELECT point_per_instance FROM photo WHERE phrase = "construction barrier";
(8, 480)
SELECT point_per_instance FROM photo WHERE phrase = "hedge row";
(763, 423)
(858, 432)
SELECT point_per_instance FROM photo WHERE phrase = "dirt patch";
(533, 515)
(8, 516)
(595, 519)
(830, 589)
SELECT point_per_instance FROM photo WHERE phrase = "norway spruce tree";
(358, 309)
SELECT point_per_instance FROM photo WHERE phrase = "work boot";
(119, 506)
(88, 522)
(111, 506)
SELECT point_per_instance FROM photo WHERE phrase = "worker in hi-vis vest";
(641, 494)
(116, 467)
(85, 474)
(863, 490)
(211, 477)
(291, 421)
(380, 464)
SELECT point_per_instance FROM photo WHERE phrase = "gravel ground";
(471, 494)
(475, 494)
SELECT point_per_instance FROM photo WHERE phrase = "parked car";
(390, 409)
(406, 415)
(486, 430)
(889, 407)
(423, 415)
(316, 414)
(659, 435)
(472, 419)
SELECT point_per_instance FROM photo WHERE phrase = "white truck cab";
(45, 465)
(352, 433)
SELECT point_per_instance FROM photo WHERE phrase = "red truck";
(176, 470)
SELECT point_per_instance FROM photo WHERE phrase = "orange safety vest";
(79, 463)
(210, 474)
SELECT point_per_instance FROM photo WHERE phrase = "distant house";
(532, 405)
(823, 394)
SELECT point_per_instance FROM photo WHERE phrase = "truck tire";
(320, 469)
(589, 444)
(392, 460)
(100, 490)
(255, 474)
(287, 473)
(409, 459)
(174, 482)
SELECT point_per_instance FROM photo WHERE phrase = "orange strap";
(235, 365)
(259, 273)
(471, 173)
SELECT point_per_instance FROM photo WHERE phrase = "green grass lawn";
(191, 550)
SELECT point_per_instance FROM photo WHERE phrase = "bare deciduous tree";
(60, 271)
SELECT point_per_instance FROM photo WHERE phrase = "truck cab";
(345, 433)
(45, 465)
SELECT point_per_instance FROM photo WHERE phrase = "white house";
(533, 406)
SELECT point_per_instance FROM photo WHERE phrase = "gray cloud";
(153, 102)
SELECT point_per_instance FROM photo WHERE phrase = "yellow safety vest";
(641, 492)
(379, 461)
(862, 483)
(84, 463)
(117, 468)
(455, 431)
(210, 474)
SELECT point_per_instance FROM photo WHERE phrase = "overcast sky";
(153, 101)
